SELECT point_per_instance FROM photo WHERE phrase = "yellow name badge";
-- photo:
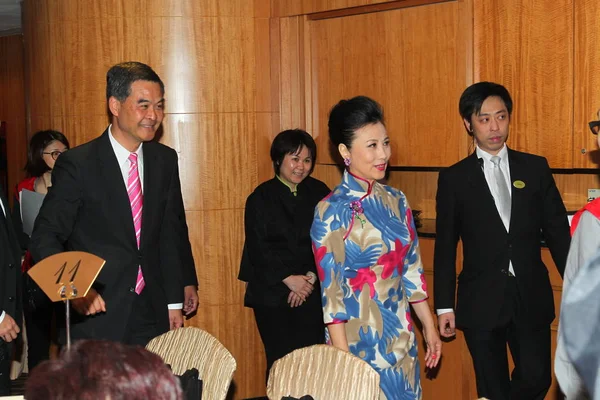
(519, 184)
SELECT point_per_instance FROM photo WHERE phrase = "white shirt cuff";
(175, 306)
(441, 311)
(2, 316)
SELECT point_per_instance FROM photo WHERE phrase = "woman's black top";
(277, 225)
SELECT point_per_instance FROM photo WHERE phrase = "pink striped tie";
(136, 199)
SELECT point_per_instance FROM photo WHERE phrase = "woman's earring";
(347, 161)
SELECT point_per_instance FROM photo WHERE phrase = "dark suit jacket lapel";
(116, 190)
(480, 186)
(12, 235)
(518, 172)
(151, 188)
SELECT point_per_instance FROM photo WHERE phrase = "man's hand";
(190, 303)
(175, 319)
(8, 329)
(299, 284)
(446, 324)
(91, 304)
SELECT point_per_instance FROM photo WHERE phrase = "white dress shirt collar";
(122, 155)
(121, 152)
(487, 157)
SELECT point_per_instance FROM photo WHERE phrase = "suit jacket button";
(131, 289)
(11, 298)
(11, 266)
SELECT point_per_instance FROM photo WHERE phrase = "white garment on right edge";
(584, 245)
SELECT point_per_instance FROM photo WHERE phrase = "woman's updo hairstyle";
(347, 116)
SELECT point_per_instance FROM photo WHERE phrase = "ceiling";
(10, 17)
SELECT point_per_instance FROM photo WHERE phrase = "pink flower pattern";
(364, 276)
(393, 259)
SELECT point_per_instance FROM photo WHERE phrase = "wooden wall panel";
(37, 69)
(214, 57)
(264, 99)
(267, 127)
(426, 76)
(413, 71)
(215, 64)
(217, 158)
(292, 73)
(527, 46)
(12, 108)
(78, 129)
(586, 76)
(327, 66)
(207, 8)
(284, 8)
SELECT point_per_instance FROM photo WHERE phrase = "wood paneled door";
(586, 83)
(414, 60)
(527, 46)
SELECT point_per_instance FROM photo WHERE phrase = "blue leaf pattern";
(357, 258)
(319, 227)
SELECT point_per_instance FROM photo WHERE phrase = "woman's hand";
(294, 300)
(299, 284)
(434, 347)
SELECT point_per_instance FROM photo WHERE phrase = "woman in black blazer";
(277, 262)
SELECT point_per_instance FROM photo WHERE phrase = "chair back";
(192, 347)
(323, 372)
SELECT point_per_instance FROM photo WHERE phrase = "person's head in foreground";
(95, 369)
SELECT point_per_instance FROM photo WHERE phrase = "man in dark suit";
(500, 203)
(119, 197)
(10, 292)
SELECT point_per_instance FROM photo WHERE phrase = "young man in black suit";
(500, 203)
(10, 292)
(119, 197)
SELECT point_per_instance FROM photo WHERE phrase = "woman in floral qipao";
(368, 258)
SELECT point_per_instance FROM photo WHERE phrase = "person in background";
(368, 257)
(277, 261)
(10, 292)
(119, 197)
(44, 149)
(579, 314)
(96, 369)
(500, 203)
(585, 242)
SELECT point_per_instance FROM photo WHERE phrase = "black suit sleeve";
(187, 259)
(555, 225)
(444, 260)
(176, 263)
(185, 249)
(268, 266)
(18, 223)
(58, 213)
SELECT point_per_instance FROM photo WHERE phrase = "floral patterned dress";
(369, 264)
